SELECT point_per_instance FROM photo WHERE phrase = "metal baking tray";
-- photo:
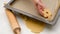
(28, 10)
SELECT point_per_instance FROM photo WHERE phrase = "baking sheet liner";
(31, 12)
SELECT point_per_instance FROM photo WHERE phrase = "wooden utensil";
(13, 22)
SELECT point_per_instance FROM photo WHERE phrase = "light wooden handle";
(13, 21)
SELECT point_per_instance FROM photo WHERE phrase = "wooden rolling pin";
(13, 22)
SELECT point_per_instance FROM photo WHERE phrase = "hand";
(39, 5)
(42, 9)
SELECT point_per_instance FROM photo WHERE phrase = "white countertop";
(6, 29)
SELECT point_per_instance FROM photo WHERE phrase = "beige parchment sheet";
(27, 6)
(34, 25)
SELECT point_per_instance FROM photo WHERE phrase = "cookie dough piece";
(47, 13)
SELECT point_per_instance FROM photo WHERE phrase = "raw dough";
(47, 13)
(34, 25)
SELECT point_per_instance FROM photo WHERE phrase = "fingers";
(40, 9)
(41, 5)
(39, 2)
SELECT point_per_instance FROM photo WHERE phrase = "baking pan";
(27, 8)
